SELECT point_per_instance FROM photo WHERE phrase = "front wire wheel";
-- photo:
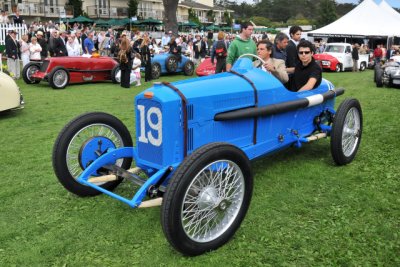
(81, 142)
(346, 131)
(207, 199)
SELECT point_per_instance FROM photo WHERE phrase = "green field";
(305, 210)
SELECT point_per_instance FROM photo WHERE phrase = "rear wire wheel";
(346, 131)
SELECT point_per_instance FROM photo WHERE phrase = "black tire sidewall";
(337, 130)
(155, 77)
(168, 66)
(25, 70)
(114, 73)
(187, 73)
(61, 146)
(172, 202)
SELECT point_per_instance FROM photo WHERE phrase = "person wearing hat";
(42, 42)
(13, 54)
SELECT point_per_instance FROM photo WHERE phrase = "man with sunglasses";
(307, 73)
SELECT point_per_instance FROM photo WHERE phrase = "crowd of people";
(283, 57)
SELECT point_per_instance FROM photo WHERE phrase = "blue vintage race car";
(168, 63)
(194, 143)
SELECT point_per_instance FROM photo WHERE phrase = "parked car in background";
(337, 57)
(388, 74)
(10, 95)
(167, 63)
(61, 71)
(206, 68)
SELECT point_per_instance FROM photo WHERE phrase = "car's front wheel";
(116, 74)
(207, 198)
(338, 67)
(188, 68)
(378, 76)
(155, 70)
(346, 131)
(27, 72)
(82, 141)
(363, 66)
(58, 78)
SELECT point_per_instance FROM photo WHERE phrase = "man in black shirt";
(307, 73)
(354, 56)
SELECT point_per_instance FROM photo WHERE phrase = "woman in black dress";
(125, 57)
(146, 58)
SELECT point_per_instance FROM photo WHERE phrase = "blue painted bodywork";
(161, 59)
(159, 121)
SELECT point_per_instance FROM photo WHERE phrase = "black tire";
(338, 67)
(379, 76)
(194, 180)
(346, 131)
(171, 64)
(64, 146)
(363, 66)
(155, 70)
(28, 70)
(188, 68)
(59, 78)
(114, 72)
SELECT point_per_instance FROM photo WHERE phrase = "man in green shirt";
(243, 44)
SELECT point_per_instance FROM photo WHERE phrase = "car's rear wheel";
(338, 67)
(346, 131)
(363, 66)
(114, 73)
(207, 198)
(81, 142)
(58, 78)
(27, 72)
(188, 68)
(155, 70)
(171, 64)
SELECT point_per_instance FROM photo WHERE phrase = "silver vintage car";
(388, 74)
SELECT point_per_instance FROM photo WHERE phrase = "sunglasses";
(304, 52)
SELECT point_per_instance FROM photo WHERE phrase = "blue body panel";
(161, 59)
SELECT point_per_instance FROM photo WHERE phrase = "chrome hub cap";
(351, 132)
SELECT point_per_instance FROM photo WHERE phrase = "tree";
(327, 13)
(77, 6)
(210, 16)
(132, 8)
(227, 18)
(193, 17)
(170, 20)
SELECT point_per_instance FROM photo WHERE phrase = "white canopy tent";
(368, 19)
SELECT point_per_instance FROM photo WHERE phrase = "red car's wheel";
(27, 72)
(58, 78)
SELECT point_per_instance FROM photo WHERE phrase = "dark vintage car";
(61, 71)
(388, 74)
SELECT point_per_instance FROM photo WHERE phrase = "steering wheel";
(255, 56)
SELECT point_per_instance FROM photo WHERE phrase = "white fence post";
(19, 28)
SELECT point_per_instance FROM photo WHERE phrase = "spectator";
(280, 44)
(243, 44)
(146, 58)
(174, 49)
(199, 47)
(17, 18)
(355, 57)
(125, 62)
(220, 51)
(13, 54)
(88, 44)
(292, 59)
(272, 65)
(35, 49)
(43, 44)
(4, 17)
(25, 53)
(137, 63)
(307, 74)
(378, 54)
(166, 39)
(73, 48)
(60, 49)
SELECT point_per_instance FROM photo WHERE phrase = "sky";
(393, 3)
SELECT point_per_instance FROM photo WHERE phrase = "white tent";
(366, 20)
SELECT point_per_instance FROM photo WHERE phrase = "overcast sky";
(393, 3)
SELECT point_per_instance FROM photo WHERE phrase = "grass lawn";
(305, 210)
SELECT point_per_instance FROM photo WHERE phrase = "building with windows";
(107, 9)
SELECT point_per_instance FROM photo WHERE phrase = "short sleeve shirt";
(303, 73)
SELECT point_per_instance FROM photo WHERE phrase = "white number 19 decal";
(154, 126)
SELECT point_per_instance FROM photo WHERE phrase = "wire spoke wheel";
(351, 130)
(60, 78)
(212, 201)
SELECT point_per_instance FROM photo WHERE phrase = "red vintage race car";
(61, 71)
(206, 68)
